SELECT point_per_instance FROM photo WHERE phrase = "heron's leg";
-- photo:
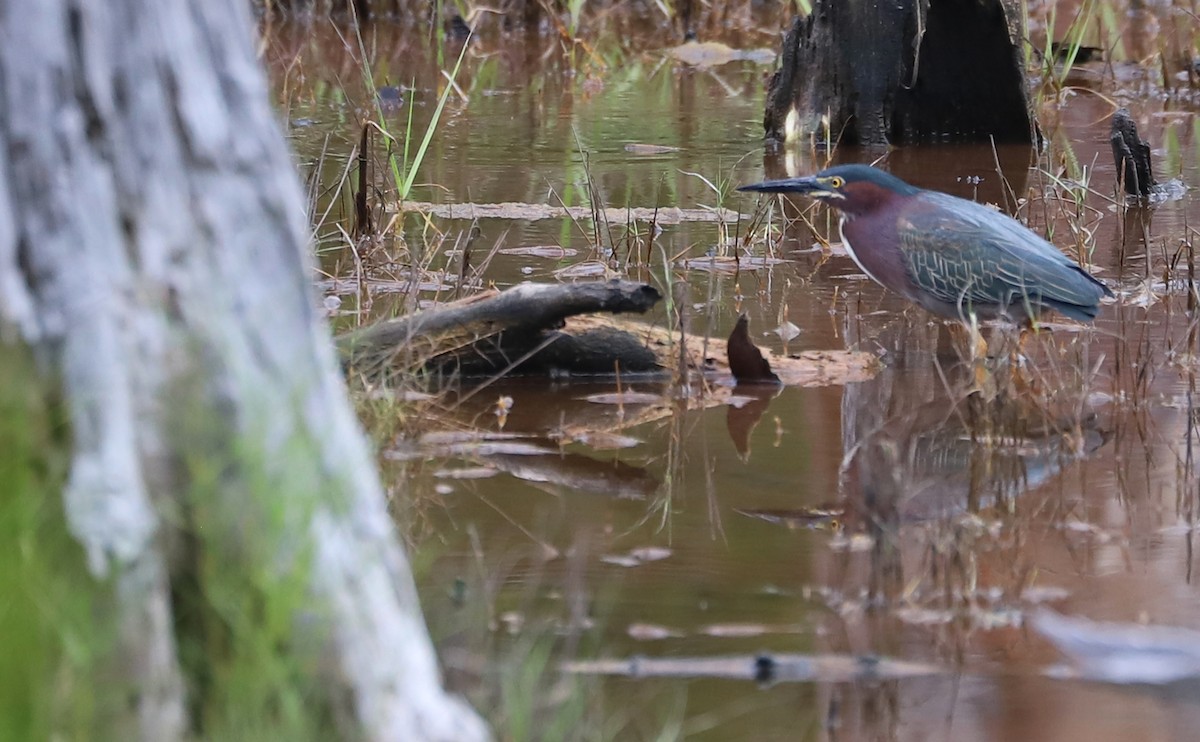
(975, 352)
(1022, 382)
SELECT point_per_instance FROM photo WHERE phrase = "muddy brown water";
(857, 520)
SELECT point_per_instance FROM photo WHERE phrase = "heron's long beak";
(808, 186)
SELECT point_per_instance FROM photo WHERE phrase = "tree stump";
(1131, 154)
(154, 252)
(862, 72)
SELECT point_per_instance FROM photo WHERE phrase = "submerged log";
(902, 72)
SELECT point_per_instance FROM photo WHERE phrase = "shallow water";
(860, 520)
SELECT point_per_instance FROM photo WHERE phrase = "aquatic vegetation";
(900, 516)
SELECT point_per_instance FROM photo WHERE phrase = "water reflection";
(944, 511)
(988, 175)
(579, 473)
(927, 448)
(924, 448)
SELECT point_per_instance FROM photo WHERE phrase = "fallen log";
(562, 330)
(516, 330)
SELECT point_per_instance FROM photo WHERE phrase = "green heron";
(953, 257)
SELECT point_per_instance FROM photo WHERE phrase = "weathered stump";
(1131, 154)
(154, 252)
(902, 72)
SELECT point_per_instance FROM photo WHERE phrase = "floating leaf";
(746, 361)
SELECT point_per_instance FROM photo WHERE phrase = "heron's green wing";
(968, 255)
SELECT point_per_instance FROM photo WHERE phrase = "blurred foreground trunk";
(154, 253)
(866, 72)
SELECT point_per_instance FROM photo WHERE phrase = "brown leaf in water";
(746, 361)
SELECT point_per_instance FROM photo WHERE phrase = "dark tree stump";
(1131, 154)
(902, 72)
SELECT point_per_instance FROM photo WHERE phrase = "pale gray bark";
(152, 235)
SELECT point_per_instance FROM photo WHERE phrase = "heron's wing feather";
(968, 255)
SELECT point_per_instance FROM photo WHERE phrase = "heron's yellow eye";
(836, 181)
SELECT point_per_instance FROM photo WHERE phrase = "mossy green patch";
(57, 622)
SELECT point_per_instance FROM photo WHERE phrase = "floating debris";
(787, 331)
(649, 149)
(761, 668)
(1121, 653)
(730, 264)
(534, 212)
(651, 632)
(586, 269)
(554, 252)
(626, 397)
(714, 54)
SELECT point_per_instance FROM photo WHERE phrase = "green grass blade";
(437, 115)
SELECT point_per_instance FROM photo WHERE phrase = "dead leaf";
(746, 361)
